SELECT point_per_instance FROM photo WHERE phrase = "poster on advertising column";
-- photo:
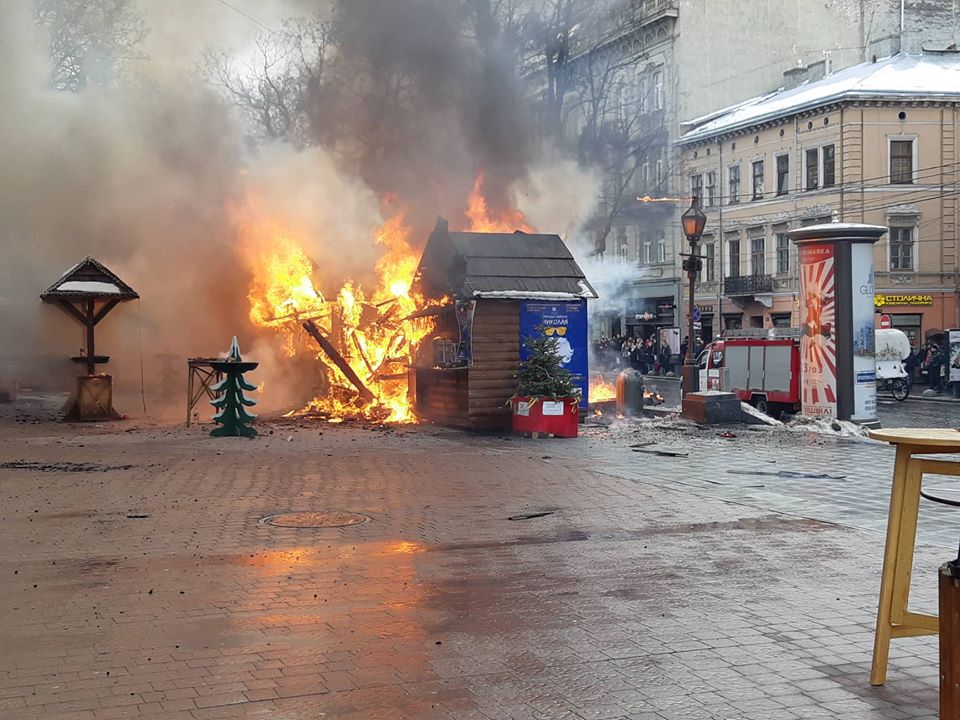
(864, 333)
(567, 323)
(818, 343)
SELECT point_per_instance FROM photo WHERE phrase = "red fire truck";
(761, 370)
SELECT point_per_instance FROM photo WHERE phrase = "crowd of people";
(932, 360)
(641, 354)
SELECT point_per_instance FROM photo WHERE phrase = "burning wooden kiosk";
(498, 286)
(87, 292)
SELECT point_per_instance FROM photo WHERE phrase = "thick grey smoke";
(152, 174)
(422, 95)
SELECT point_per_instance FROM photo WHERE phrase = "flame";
(652, 398)
(368, 329)
(601, 390)
(478, 213)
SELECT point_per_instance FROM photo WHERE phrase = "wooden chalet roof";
(89, 279)
(499, 265)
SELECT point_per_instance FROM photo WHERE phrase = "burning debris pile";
(364, 341)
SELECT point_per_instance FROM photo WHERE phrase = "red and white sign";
(818, 348)
(885, 322)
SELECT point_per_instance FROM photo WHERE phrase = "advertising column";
(837, 346)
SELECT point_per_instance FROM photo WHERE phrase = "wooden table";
(893, 618)
(201, 377)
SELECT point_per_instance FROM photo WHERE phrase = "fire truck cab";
(761, 370)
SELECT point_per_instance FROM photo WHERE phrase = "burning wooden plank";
(338, 360)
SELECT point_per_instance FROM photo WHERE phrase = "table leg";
(908, 540)
(881, 642)
(189, 393)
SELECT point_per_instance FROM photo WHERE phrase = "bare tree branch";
(91, 42)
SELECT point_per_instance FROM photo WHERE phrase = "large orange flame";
(371, 330)
(481, 220)
(601, 390)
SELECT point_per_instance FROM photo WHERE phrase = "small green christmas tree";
(542, 373)
(233, 417)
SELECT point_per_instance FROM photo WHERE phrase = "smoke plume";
(153, 173)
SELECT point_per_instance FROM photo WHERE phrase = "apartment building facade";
(675, 59)
(875, 143)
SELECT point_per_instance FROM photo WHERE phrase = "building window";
(783, 174)
(647, 245)
(780, 320)
(696, 188)
(711, 189)
(901, 162)
(829, 166)
(709, 259)
(733, 255)
(659, 172)
(758, 261)
(758, 180)
(734, 177)
(813, 169)
(658, 90)
(644, 99)
(783, 251)
(662, 249)
(645, 176)
(733, 321)
(901, 248)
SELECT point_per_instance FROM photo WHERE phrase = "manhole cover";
(318, 519)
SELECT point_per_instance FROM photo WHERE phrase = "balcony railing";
(648, 10)
(747, 285)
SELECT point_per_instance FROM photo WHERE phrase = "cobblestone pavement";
(139, 582)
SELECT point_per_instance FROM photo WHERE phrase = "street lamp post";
(693, 221)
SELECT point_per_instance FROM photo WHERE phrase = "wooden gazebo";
(87, 292)
(500, 286)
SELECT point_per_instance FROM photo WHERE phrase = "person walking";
(935, 367)
(665, 360)
(910, 364)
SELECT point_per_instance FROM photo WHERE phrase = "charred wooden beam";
(338, 360)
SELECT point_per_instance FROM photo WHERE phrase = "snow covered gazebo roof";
(89, 279)
(930, 76)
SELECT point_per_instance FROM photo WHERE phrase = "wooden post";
(949, 643)
(91, 351)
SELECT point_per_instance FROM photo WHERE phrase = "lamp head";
(693, 220)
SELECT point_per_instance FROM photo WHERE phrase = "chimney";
(793, 77)
(816, 70)
(799, 75)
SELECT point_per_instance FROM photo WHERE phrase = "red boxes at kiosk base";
(559, 417)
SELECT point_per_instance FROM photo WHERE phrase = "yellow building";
(875, 143)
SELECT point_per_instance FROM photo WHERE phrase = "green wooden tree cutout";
(233, 417)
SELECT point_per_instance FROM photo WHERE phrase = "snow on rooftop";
(532, 295)
(89, 286)
(900, 76)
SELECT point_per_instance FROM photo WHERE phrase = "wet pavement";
(496, 577)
